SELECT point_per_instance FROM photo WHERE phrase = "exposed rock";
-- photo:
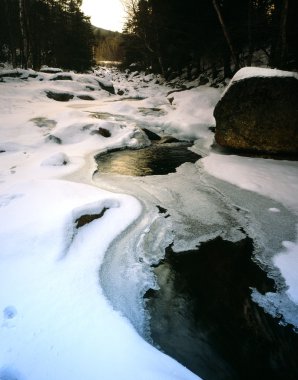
(106, 85)
(43, 122)
(60, 96)
(85, 97)
(54, 139)
(12, 73)
(90, 88)
(151, 135)
(101, 131)
(88, 218)
(120, 92)
(259, 113)
(203, 80)
(171, 99)
(62, 77)
(168, 140)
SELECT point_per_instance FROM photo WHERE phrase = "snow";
(55, 319)
(275, 179)
(248, 72)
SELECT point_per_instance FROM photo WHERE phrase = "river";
(185, 271)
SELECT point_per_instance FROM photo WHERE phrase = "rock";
(101, 131)
(171, 99)
(106, 85)
(50, 70)
(54, 139)
(60, 96)
(90, 88)
(43, 122)
(62, 77)
(85, 97)
(168, 140)
(15, 73)
(151, 135)
(57, 159)
(120, 92)
(203, 80)
(259, 112)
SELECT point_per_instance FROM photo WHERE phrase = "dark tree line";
(45, 32)
(169, 35)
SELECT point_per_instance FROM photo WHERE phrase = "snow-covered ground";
(55, 320)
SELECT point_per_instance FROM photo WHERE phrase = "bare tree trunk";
(12, 42)
(226, 34)
(24, 28)
(249, 32)
(282, 40)
(24, 42)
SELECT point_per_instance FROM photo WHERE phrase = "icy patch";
(279, 306)
(274, 209)
(271, 178)
(287, 262)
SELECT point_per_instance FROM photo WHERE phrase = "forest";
(45, 32)
(162, 36)
(170, 35)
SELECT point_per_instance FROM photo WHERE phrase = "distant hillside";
(107, 45)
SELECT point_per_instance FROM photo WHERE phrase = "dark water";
(203, 315)
(153, 160)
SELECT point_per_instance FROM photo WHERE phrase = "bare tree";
(24, 29)
(226, 34)
(281, 48)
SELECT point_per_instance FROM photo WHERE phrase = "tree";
(46, 32)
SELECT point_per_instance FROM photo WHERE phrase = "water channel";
(185, 271)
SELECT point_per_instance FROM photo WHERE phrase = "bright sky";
(106, 14)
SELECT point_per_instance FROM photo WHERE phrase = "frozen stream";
(174, 259)
(183, 210)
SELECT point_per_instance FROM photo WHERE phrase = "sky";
(106, 14)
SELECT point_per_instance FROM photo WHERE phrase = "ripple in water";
(157, 159)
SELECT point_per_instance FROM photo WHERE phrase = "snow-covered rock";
(258, 112)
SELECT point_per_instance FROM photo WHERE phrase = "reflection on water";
(153, 160)
(204, 317)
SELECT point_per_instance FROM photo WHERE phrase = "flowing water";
(153, 160)
(197, 306)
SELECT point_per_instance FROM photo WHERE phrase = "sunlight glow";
(106, 14)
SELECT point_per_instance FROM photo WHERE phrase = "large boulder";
(259, 112)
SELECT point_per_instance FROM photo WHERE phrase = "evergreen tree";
(45, 32)
(170, 35)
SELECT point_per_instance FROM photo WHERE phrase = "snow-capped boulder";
(258, 112)
(106, 85)
(50, 70)
(59, 96)
(57, 159)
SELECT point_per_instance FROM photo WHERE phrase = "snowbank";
(55, 322)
